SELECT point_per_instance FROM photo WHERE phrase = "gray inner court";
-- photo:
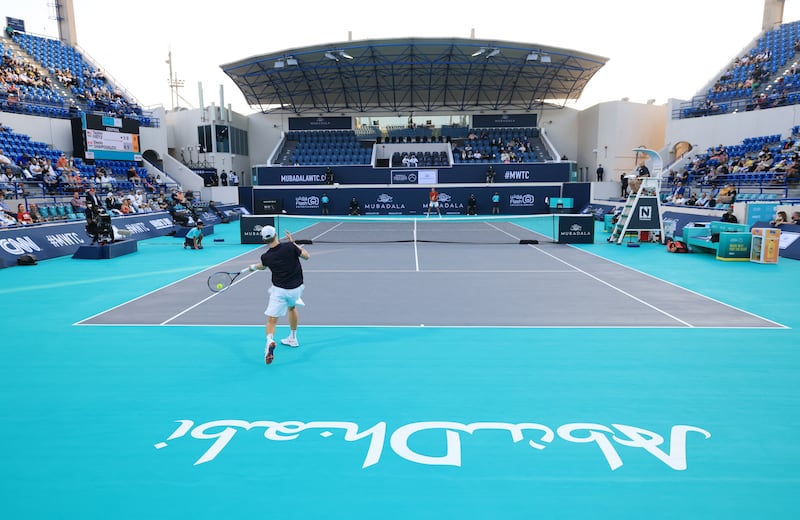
(445, 285)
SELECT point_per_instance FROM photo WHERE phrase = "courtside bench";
(726, 240)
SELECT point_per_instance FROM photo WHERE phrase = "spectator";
(600, 171)
(23, 217)
(126, 208)
(77, 203)
(106, 181)
(137, 200)
(111, 202)
(728, 216)
(7, 220)
(223, 177)
(678, 192)
(796, 218)
(3, 204)
(62, 163)
(727, 195)
(36, 216)
(780, 219)
(133, 176)
(6, 162)
(6, 181)
(50, 182)
(703, 200)
(623, 180)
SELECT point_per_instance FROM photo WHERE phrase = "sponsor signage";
(504, 121)
(250, 228)
(465, 173)
(320, 123)
(575, 229)
(404, 177)
(60, 239)
(406, 200)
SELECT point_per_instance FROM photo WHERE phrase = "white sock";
(270, 339)
(292, 334)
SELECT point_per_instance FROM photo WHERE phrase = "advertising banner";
(64, 238)
(522, 200)
(320, 123)
(250, 228)
(458, 173)
(575, 229)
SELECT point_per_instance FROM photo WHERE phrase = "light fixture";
(279, 64)
(291, 61)
(331, 56)
(532, 57)
(479, 52)
(345, 55)
(493, 53)
(544, 58)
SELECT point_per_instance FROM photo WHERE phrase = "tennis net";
(523, 229)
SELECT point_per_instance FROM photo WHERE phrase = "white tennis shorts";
(280, 300)
(433, 204)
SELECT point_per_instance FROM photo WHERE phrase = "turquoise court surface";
(550, 381)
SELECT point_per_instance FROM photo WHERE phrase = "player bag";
(676, 246)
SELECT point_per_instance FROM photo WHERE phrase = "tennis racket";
(221, 280)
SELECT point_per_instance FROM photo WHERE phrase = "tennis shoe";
(270, 353)
(290, 342)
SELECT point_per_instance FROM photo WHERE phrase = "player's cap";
(267, 233)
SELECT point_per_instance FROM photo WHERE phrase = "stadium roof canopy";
(414, 74)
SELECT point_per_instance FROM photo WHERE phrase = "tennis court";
(549, 380)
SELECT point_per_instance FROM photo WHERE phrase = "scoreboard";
(96, 136)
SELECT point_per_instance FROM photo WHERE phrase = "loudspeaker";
(26, 260)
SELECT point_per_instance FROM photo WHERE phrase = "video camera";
(99, 227)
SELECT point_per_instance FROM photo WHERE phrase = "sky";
(656, 49)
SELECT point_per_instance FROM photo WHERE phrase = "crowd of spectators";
(775, 164)
(512, 150)
(17, 74)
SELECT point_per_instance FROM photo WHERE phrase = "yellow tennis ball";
(219, 286)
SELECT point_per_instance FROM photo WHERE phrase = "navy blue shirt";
(284, 263)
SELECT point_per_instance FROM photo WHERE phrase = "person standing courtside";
(325, 203)
(600, 171)
(283, 261)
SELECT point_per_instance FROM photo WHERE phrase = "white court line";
(81, 322)
(629, 295)
(184, 311)
(685, 289)
(486, 271)
(326, 231)
(502, 327)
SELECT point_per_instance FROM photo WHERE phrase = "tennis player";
(433, 201)
(283, 261)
